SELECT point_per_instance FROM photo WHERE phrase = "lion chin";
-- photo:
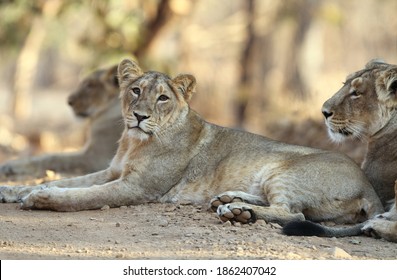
(138, 133)
(339, 135)
(336, 136)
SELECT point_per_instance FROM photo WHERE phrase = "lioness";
(365, 108)
(95, 98)
(168, 153)
(356, 111)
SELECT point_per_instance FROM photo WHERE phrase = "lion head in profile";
(364, 104)
(95, 92)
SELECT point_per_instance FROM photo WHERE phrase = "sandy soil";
(164, 231)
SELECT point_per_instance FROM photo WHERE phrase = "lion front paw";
(6, 171)
(11, 194)
(52, 198)
(390, 216)
(372, 227)
(222, 199)
(236, 196)
(12, 169)
(8, 194)
(236, 212)
(38, 199)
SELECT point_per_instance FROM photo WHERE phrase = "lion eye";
(136, 90)
(355, 94)
(163, 98)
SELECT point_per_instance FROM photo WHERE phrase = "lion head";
(152, 101)
(364, 104)
(95, 92)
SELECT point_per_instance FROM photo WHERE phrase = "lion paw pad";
(235, 213)
(222, 200)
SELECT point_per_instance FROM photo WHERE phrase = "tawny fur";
(356, 111)
(96, 98)
(365, 108)
(168, 153)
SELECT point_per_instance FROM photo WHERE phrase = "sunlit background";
(261, 65)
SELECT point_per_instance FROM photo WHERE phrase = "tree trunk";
(243, 93)
(25, 70)
(28, 60)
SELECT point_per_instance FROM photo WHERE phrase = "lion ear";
(386, 86)
(127, 72)
(112, 75)
(392, 85)
(185, 84)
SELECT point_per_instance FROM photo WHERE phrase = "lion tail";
(307, 228)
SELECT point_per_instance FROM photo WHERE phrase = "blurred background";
(262, 65)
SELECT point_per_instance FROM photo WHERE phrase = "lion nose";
(71, 99)
(327, 114)
(140, 117)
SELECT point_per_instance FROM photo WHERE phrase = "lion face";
(94, 92)
(360, 108)
(152, 101)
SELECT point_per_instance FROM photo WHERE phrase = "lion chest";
(155, 170)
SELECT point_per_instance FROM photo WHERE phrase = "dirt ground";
(166, 231)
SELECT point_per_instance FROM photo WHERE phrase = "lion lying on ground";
(168, 153)
(96, 98)
(365, 108)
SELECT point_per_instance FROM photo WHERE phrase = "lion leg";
(381, 229)
(19, 167)
(96, 178)
(384, 225)
(114, 194)
(37, 166)
(247, 213)
(235, 196)
(391, 215)
(10, 194)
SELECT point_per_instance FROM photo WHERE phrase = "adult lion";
(96, 98)
(168, 153)
(365, 108)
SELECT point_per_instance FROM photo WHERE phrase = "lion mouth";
(344, 132)
(339, 129)
(82, 114)
(137, 127)
(340, 132)
(132, 127)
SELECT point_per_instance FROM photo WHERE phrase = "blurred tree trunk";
(158, 16)
(302, 13)
(25, 70)
(256, 55)
(246, 61)
(28, 59)
(153, 27)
